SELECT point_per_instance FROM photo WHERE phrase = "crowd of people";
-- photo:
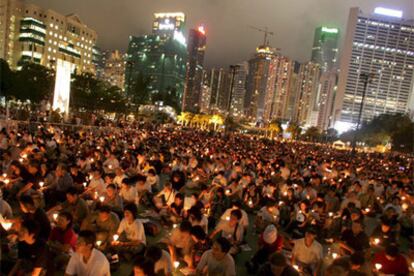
(167, 200)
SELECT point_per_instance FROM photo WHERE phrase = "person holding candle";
(217, 261)
(390, 261)
(232, 229)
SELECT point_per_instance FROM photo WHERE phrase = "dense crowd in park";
(170, 201)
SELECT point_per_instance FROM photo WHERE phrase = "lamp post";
(367, 78)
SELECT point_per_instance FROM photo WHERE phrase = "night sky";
(229, 39)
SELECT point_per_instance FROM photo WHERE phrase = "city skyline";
(294, 41)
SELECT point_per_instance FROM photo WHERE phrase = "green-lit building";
(161, 57)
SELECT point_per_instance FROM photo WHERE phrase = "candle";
(116, 237)
(250, 203)
(176, 264)
(41, 184)
(330, 214)
(404, 206)
(334, 255)
(6, 225)
(228, 218)
(367, 210)
(110, 167)
(98, 243)
(228, 192)
(4, 175)
(101, 198)
(21, 160)
(281, 203)
(55, 216)
(295, 267)
(84, 184)
(376, 241)
(285, 193)
(378, 266)
(175, 225)
(6, 181)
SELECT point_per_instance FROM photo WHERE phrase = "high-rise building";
(306, 112)
(114, 72)
(217, 79)
(192, 90)
(381, 44)
(160, 57)
(327, 89)
(325, 47)
(276, 105)
(238, 75)
(99, 60)
(260, 82)
(29, 33)
(168, 23)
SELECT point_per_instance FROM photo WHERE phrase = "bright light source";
(62, 86)
(180, 38)
(388, 12)
(342, 127)
(166, 26)
(330, 30)
(201, 29)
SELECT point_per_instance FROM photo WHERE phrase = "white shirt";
(307, 255)
(134, 231)
(98, 185)
(97, 265)
(244, 219)
(118, 180)
(224, 267)
(163, 265)
(130, 195)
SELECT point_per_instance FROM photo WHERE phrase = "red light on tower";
(202, 30)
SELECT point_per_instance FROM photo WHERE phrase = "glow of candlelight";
(330, 214)
(6, 225)
(116, 237)
(376, 241)
(227, 218)
(98, 243)
(176, 264)
(55, 216)
(175, 225)
(41, 184)
(295, 267)
(110, 167)
(84, 184)
(101, 198)
(4, 175)
(378, 266)
(6, 181)
(334, 255)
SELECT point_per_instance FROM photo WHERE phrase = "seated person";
(62, 240)
(165, 197)
(161, 259)
(180, 243)
(131, 233)
(269, 242)
(354, 239)
(176, 209)
(391, 261)
(217, 261)
(33, 253)
(104, 223)
(31, 212)
(143, 267)
(75, 205)
(384, 233)
(268, 214)
(201, 244)
(307, 252)
(87, 260)
(278, 266)
(128, 192)
(232, 230)
(113, 199)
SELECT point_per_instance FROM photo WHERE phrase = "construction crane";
(266, 34)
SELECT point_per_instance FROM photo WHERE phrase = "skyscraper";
(325, 47)
(114, 71)
(29, 33)
(193, 81)
(238, 89)
(217, 80)
(260, 82)
(327, 89)
(381, 44)
(160, 57)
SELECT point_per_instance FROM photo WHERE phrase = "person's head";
(391, 252)
(185, 227)
(356, 260)
(220, 248)
(130, 212)
(60, 170)
(385, 225)
(64, 220)
(27, 204)
(357, 227)
(179, 199)
(154, 253)
(277, 263)
(29, 231)
(111, 190)
(86, 242)
(72, 195)
(310, 236)
(104, 212)
(235, 216)
(197, 233)
(33, 167)
(143, 267)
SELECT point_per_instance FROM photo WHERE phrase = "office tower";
(217, 79)
(29, 33)
(327, 89)
(260, 82)
(114, 71)
(276, 105)
(325, 47)
(381, 44)
(193, 82)
(99, 60)
(160, 57)
(307, 94)
(238, 75)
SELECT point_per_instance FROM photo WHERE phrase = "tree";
(274, 129)
(312, 134)
(6, 79)
(294, 129)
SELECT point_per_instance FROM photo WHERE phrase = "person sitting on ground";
(391, 261)
(354, 239)
(87, 260)
(277, 266)
(232, 230)
(217, 260)
(180, 242)
(201, 244)
(307, 252)
(161, 259)
(143, 267)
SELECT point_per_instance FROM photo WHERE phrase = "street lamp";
(367, 78)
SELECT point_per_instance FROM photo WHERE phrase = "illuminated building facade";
(327, 89)
(114, 71)
(381, 44)
(325, 47)
(160, 57)
(193, 81)
(238, 89)
(29, 33)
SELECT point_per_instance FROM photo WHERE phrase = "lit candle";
(101, 198)
(295, 267)
(404, 206)
(330, 214)
(228, 192)
(6, 181)
(6, 225)
(334, 255)
(98, 243)
(41, 184)
(285, 193)
(378, 266)
(4, 175)
(110, 167)
(281, 203)
(176, 264)
(21, 160)
(55, 216)
(376, 241)
(227, 218)
(250, 203)
(84, 184)
(367, 210)
(116, 237)
(175, 225)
